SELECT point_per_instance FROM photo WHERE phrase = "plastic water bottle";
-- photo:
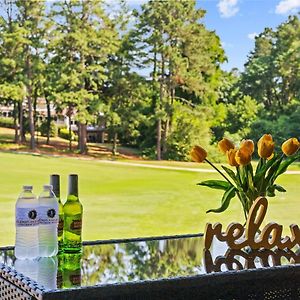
(28, 267)
(47, 269)
(27, 225)
(48, 210)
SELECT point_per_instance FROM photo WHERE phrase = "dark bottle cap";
(55, 182)
(73, 185)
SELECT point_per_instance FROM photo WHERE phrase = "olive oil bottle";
(55, 182)
(73, 218)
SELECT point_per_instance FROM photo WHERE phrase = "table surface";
(134, 260)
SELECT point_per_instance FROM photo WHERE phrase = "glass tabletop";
(138, 260)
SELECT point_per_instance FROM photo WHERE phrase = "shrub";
(7, 122)
(64, 134)
(44, 128)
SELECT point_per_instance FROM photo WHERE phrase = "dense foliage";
(154, 75)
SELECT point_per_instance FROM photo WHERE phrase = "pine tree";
(82, 39)
(184, 56)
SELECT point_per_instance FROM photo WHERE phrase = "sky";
(237, 22)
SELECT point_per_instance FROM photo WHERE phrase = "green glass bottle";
(55, 182)
(73, 218)
(72, 270)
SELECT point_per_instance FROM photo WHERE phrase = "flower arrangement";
(245, 182)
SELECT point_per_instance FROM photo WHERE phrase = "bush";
(189, 127)
(64, 134)
(7, 122)
(44, 128)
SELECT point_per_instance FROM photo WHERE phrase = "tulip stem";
(227, 179)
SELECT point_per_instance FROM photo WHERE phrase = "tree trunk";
(115, 144)
(82, 138)
(29, 100)
(158, 139)
(36, 122)
(48, 120)
(168, 123)
(31, 122)
(159, 121)
(164, 137)
(16, 123)
(21, 121)
(70, 134)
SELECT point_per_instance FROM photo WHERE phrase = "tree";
(82, 39)
(11, 65)
(30, 17)
(272, 73)
(184, 57)
(237, 112)
(125, 92)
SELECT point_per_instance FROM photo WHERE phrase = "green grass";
(121, 201)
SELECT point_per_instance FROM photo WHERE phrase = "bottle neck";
(27, 194)
(73, 187)
(54, 181)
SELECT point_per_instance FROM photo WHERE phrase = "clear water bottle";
(28, 267)
(27, 225)
(47, 270)
(48, 211)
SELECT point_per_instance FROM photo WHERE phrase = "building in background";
(95, 132)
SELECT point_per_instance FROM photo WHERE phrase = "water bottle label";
(48, 215)
(26, 217)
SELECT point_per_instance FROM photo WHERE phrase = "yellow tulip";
(243, 157)
(198, 154)
(225, 145)
(265, 146)
(231, 157)
(290, 147)
(247, 145)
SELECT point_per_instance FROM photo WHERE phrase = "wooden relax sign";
(238, 237)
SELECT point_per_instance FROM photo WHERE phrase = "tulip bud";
(225, 145)
(243, 157)
(247, 145)
(198, 154)
(265, 146)
(231, 157)
(290, 147)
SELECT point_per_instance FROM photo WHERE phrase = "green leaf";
(244, 177)
(263, 169)
(231, 174)
(271, 191)
(216, 184)
(259, 165)
(285, 164)
(279, 188)
(228, 195)
(270, 178)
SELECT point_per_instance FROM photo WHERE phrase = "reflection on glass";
(60, 266)
(28, 267)
(145, 260)
(141, 260)
(242, 260)
(47, 270)
(72, 270)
